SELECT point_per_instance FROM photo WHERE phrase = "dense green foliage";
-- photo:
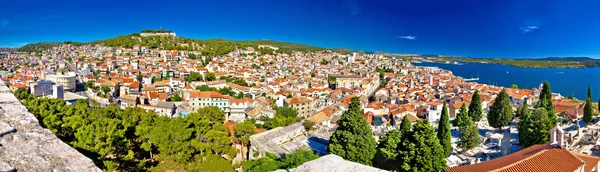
(136, 140)
(501, 113)
(545, 101)
(461, 118)
(469, 135)
(38, 47)
(353, 139)
(444, 134)
(284, 116)
(420, 150)
(530, 63)
(208, 48)
(522, 110)
(534, 128)
(588, 110)
(271, 163)
(475, 108)
(194, 76)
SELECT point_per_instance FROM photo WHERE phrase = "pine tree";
(588, 111)
(545, 101)
(420, 150)
(475, 108)
(534, 128)
(469, 136)
(501, 112)
(353, 138)
(444, 134)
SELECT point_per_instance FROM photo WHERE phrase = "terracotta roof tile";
(542, 157)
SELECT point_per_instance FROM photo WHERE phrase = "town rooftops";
(205, 94)
(541, 157)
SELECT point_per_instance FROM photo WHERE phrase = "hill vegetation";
(209, 48)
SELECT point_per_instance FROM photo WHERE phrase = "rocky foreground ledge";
(27, 146)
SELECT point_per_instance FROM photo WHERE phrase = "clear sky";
(476, 28)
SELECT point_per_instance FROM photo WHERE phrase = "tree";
(194, 76)
(243, 131)
(208, 76)
(475, 108)
(138, 77)
(420, 150)
(353, 138)
(534, 128)
(462, 116)
(545, 101)
(469, 135)
(514, 86)
(176, 98)
(204, 88)
(308, 124)
(240, 95)
(105, 89)
(522, 110)
(444, 134)
(501, 113)
(588, 110)
(387, 150)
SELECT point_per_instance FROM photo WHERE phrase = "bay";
(563, 81)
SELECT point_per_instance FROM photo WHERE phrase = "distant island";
(548, 62)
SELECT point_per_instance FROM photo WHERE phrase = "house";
(303, 105)
(237, 111)
(434, 112)
(161, 108)
(454, 108)
(199, 99)
(41, 88)
(129, 101)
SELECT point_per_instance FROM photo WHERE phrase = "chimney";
(557, 137)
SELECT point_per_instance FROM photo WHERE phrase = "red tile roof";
(542, 157)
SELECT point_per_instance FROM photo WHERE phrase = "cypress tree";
(469, 136)
(475, 108)
(588, 111)
(501, 112)
(444, 134)
(353, 138)
(461, 117)
(545, 101)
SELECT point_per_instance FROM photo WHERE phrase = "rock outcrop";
(27, 146)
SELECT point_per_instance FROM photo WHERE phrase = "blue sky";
(475, 28)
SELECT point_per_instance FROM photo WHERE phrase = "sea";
(564, 81)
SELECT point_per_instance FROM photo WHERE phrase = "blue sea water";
(563, 81)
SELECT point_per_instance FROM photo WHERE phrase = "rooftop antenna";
(160, 27)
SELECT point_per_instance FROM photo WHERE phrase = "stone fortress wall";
(27, 146)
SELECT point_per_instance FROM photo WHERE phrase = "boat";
(506, 71)
(472, 79)
(457, 63)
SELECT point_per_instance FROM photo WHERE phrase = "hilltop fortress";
(159, 32)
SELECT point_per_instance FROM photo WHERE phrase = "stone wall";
(26, 146)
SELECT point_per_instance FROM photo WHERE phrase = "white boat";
(472, 79)
(506, 71)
